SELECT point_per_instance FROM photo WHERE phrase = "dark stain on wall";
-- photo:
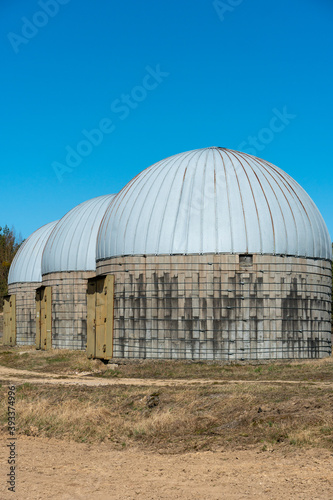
(178, 311)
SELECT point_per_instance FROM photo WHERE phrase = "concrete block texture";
(25, 311)
(212, 307)
(69, 308)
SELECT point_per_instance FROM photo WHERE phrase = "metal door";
(91, 318)
(38, 299)
(44, 318)
(9, 320)
(100, 317)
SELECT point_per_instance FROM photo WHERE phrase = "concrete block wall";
(69, 308)
(220, 306)
(25, 311)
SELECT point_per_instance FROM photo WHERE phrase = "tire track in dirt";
(33, 377)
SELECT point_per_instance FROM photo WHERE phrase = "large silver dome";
(213, 200)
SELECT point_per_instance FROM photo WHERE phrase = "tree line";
(9, 244)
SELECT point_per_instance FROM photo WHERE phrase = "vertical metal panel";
(91, 317)
(109, 296)
(9, 320)
(38, 318)
(48, 303)
(100, 320)
(13, 319)
(6, 320)
(100, 296)
(46, 318)
(42, 320)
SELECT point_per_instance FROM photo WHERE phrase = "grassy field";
(65, 362)
(175, 419)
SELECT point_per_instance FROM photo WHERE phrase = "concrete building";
(69, 259)
(211, 254)
(24, 278)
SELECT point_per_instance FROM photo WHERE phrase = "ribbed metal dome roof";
(213, 200)
(27, 263)
(72, 243)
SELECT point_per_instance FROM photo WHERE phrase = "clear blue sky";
(224, 72)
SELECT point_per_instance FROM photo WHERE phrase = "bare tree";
(9, 245)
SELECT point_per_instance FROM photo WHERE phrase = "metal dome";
(72, 243)
(27, 263)
(213, 200)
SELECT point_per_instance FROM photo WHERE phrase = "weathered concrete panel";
(223, 307)
(25, 311)
(69, 308)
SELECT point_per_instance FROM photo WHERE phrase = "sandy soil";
(16, 375)
(50, 469)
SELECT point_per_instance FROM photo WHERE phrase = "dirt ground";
(34, 377)
(50, 469)
(62, 470)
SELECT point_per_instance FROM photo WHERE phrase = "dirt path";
(50, 469)
(61, 470)
(15, 375)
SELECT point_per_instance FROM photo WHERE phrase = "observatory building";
(211, 254)
(24, 278)
(69, 259)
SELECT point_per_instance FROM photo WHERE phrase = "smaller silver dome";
(72, 243)
(27, 263)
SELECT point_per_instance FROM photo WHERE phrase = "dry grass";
(65, 362)
(177, 419)
(301, 370)
(54, 361)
